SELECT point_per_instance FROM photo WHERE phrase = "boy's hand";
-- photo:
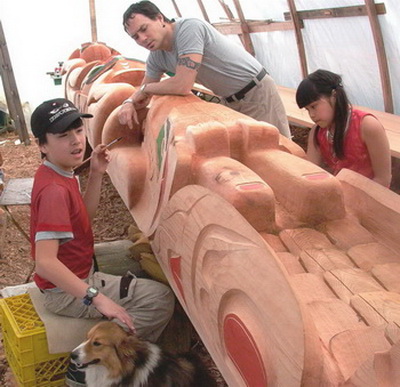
(100, 159)
(111, 310)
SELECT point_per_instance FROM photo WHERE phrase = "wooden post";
(11, 91)
(231, 18)
(227, 10)
(381, 54)
(203, 11)
(299, 37)
(93, 22)
(248, 44)
(178, 13)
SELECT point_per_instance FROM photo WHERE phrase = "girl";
(343, 137)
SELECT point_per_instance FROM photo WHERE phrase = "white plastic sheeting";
(40, 33)
(343, 45)
(346, 46)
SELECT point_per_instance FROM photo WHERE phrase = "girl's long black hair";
(324, 83)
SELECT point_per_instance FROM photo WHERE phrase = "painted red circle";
(243, 351)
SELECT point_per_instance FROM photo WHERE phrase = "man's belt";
(241, 94)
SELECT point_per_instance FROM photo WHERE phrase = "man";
(196, 52)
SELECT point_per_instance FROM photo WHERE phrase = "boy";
(62, 238)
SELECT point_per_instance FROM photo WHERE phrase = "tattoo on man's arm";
(189, 63)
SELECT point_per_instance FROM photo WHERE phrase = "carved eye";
(96, 343)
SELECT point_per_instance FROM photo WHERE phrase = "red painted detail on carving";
(250, 186)
(175, 265)
(316, 176)
(243, 352)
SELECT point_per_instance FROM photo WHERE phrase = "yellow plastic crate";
(50, 373)
(25, 343)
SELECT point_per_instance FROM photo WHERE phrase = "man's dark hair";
(146, 8)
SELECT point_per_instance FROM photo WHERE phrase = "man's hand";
(111, 310)
(128, 113)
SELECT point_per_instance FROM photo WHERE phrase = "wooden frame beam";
(243, 31)
(381, 56)
(234, 28)
(178, 12)
(11, 91)
(248, 44)
(227, 10)
(203, 11)
(299, 37)
(350, 11)
(93, 21)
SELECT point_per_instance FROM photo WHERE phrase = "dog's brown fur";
(114, 357)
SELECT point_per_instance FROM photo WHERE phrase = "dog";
(113, 357)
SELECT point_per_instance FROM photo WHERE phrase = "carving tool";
(107, 146)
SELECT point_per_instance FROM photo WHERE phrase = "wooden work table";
(16, 192)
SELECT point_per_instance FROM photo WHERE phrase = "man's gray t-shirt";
(226, 66)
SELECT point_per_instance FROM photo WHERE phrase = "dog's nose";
(74, 355)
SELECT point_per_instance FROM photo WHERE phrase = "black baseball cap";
(55, 116)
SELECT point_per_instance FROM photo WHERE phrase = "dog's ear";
(127, 347)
